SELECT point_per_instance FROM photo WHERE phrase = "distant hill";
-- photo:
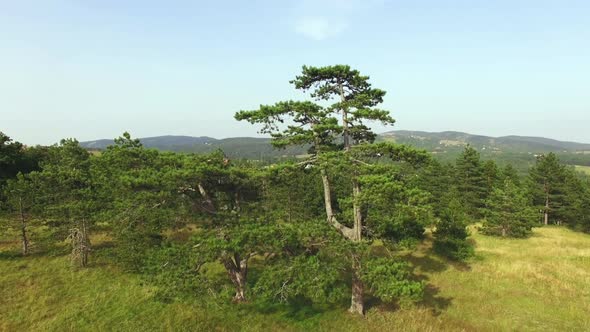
(169, 142)
(449, 139)
(519, 150)
(235, 147)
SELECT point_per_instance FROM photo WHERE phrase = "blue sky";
(93, 69)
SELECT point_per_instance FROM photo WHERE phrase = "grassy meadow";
(583, 169)
(536, 284)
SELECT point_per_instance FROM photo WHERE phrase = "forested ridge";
(334, 226)
(518, 151)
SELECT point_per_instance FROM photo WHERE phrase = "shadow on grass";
(433, 301)
(36, 252)
(103, 245)
(426, 263)
(297, 310)
(461, 266)
(430, 300)
(374, 302)
(8, 255)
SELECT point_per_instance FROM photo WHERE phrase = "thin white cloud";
(331, 17)
(318, 28)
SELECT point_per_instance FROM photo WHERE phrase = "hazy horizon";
(94, 69)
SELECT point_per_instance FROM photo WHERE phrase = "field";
(583, 169)
(537, 284)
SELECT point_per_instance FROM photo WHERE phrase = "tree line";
(322, 228)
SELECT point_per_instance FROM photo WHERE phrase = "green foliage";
(314, 277)
(576, 205)
(547, 186)
(313, 123)
(310, 265)
(351, 94)
(436, 179)
(20, 194)
(510, 173)
(471, 181)
(509, 212)
(450, 236)
(11, 154)
(491, 175)
(390, 279)
(20, 200)
(139, 195)
(291, 192)
(174, 269)
(399, 211)
(385, 203)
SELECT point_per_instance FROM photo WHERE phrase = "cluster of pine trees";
(509, 204)
(198, 225)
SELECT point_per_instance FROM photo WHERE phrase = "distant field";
(536, 284)
(584, 169)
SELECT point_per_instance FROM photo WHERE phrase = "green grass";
(536, 284)
(583, 169)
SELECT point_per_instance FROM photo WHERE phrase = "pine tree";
(65, 196)
(510, 213)
(575, 210)
(491, 175)
(510, 173)
(354, 101)
(547, 187)
(471, 181)
(139, 195)
(20, 196)
(450, 236)
(436, 179)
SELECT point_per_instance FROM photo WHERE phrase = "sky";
(94, 69)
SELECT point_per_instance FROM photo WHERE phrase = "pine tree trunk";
(354, 234)
(290, 207)
(546, 216)
(347, 232)
(80, 244)
(327, 195)
(85, 244)
(239, 281)
(345, 133)
(237, 270)
(358, 216)
(209, 206)
(356, 301)
(25, 240)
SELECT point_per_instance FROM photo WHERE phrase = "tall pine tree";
(509, 212)
(471, 182)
